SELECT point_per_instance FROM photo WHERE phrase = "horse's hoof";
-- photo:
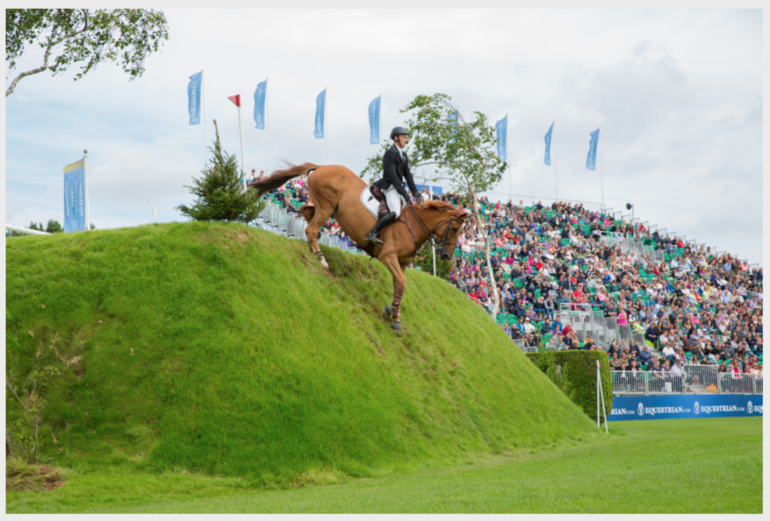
(396, 327)
(388, 312)
(324, 264)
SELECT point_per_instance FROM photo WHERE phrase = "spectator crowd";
(694, 307)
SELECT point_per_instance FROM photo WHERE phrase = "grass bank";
(660, 466)
(224, 350)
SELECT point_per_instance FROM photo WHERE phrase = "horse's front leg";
(399, 286)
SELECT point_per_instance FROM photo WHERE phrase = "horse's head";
(446, 227)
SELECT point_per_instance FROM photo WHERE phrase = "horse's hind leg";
(313, 229)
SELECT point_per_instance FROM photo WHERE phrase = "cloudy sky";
(678, 96)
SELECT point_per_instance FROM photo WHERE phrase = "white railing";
(26, 231)
(695, 379)
(279, 221)
(700, 377)
(739, 384)
(628, 383)
(526, 348)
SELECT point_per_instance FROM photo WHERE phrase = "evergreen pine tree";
(219, 194)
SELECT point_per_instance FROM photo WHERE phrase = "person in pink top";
(622, 318)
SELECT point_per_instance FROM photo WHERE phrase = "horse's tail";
(279, 177)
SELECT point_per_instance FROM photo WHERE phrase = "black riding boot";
(373, 236)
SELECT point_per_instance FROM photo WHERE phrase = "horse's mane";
(441, 206)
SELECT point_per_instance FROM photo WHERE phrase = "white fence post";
(600, 395)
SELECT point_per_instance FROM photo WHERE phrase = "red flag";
(235, 99)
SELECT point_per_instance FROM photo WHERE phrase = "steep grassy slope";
(224, 349)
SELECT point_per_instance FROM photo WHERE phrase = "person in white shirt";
(528, 327)
(668, 352)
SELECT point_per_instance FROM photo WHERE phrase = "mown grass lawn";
(659, 466)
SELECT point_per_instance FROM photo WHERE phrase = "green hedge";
(578, 376)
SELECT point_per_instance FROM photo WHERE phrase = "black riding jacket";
(395, 171)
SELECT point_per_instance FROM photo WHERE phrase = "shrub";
(578, 376)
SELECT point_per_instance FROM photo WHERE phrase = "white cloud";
(678, 95)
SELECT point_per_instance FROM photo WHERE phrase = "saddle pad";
(369, 201)
(372, 204)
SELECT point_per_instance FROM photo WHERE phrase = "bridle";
(431, 236)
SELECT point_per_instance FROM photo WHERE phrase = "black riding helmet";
(398, 131)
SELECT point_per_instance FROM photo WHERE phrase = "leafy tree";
(459, 151)
(424, 260)
(219, 193)
(54, 227)
(83, 36)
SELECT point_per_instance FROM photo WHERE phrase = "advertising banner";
(501, 129)
(259, 105)
(592, 145)
(374, 121)
(194, 98)
(548, 145)
(685, 406)
(75, 197)
(320, 113)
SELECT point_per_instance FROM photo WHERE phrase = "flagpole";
(555, 168)
(85, 175)
(326, 123)
(601, 166)
(267, 102)
(205, 141)
(240, 129)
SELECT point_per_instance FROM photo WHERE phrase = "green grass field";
(224, 350)
(658, 466)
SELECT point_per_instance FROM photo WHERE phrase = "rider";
(395, 165)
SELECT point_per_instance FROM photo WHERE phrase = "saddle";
(377, 193)
(375, 201)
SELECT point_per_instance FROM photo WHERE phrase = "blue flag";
(502, 138)
(453, 124)
(194, 98)
(320, 111)
(593, 144)
(259, 104)
(75, 197)
(374, 121)
(548, 145)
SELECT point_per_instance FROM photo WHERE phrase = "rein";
(431, 236)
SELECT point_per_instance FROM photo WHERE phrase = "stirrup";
(373, 238)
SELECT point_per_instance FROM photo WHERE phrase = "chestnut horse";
(335, 191)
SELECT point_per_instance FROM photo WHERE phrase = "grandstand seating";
(615, 264)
